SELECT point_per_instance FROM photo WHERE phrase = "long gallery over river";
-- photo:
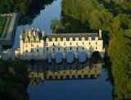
(36, 45)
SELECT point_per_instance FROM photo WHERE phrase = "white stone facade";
(35, 45)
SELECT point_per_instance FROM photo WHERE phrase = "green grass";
(6, 27)
(2, 24)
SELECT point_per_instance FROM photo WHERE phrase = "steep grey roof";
(73, 35)
(35, 35)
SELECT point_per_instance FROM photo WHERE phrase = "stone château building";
(35, 44)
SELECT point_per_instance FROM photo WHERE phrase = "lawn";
(6, 26)
(2, 24)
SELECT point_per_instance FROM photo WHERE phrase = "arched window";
(77, 43)
(26, 51)
(64, 43)
(37, 50)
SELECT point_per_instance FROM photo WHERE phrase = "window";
(53, 44)
(73, 38)
(76, 49)
(70, 43)
(58, 49)
(67, 39)
(93, 38)
(96, 47)
(64, 43)
(26, 51)
(96, 43)
(86, 38)
(89, 43)
(37, 50)
(32, 50)
(83, 43)
(76, 43)
(37, 46)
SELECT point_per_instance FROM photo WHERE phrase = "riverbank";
(13, 80)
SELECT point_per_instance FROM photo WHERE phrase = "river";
(87, 89)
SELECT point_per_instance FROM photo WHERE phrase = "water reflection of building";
(36, 45)
(41, 71)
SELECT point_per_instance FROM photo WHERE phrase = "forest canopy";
(22, 6)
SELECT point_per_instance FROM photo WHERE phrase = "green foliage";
(22, 6)
(13, 80)
(14, 5)
(2, 24)
(112, 16)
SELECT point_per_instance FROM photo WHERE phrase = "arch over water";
(82, 56)
(69, 57)
(58, 57)
(96, 57)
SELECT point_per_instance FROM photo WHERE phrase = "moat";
(75, 89)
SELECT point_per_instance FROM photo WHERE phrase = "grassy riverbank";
(13, 80)
(27, 9)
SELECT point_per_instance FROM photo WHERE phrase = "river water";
(87, 89)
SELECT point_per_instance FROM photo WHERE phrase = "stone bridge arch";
(96, 57)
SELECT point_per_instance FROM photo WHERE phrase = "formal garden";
(4, 25)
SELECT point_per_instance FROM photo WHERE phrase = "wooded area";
(22, 6)
(113, 17)
(13, 80)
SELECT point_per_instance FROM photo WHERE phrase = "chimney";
(100, 33)
(20, 36)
